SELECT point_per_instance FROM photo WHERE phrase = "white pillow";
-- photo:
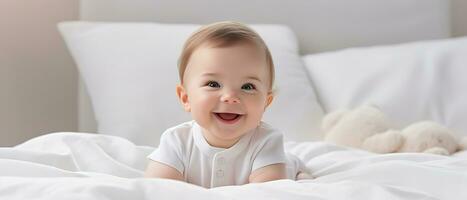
(411, 82)
(130, 71)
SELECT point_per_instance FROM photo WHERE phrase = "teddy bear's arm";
(437, 150)
(387, 142)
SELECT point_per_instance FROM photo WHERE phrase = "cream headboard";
(321, 25)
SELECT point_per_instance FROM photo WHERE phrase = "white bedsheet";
(89, 166)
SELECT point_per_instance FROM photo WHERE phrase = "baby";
(226, 74)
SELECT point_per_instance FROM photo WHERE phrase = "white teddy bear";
(368, 128)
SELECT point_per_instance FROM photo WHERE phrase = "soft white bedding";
(90, 166)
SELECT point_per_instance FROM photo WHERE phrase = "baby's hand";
(303, 175)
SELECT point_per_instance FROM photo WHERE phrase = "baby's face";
(227, 90)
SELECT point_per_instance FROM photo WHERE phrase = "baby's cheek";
(199, 109)
(260, 103)
(201, 117)
(256, 111)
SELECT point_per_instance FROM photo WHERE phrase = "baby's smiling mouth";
(228, 118)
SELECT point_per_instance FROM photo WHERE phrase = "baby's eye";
(248, 86)
(213, 84)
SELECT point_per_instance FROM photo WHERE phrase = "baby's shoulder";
(265, 132)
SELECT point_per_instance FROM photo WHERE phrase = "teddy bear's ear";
(331, 119)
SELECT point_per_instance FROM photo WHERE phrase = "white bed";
(109, 165)
(90, 166)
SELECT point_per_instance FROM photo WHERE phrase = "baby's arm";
(268, 173)
(159, 170)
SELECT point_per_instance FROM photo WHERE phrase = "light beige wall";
(459, 17)
(38, 80)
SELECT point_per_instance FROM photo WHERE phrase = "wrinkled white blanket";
(90, 166)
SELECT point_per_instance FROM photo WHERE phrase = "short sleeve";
(169, 151)
(271, 151)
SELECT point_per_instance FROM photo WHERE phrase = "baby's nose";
(230, 98)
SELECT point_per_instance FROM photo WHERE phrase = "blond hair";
(223, 34)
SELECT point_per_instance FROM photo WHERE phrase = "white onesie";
(184, 148)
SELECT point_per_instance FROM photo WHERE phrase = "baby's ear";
(269, 99)
(183, 97)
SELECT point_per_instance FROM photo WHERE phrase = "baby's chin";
(228, 134)
(225, 134)
(233, 132)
